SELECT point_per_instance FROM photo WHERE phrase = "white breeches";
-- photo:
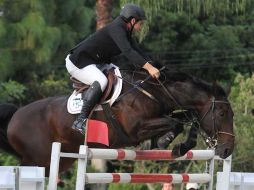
(88, 74)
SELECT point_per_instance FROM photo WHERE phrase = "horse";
(144, 111)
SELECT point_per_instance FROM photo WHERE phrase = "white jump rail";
(237, 181)
(86, 153)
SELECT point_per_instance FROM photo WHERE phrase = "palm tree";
(193, 6)
(104, 7)
(103, 12)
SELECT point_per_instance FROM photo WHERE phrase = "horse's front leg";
(182, 148)
(164, 141)
(157, 127)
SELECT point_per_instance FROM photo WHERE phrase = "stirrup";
(79, 125)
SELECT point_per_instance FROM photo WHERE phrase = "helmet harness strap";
(132, 25)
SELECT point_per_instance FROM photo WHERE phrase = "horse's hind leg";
(63, 165)
(33, 150)
(38, 160)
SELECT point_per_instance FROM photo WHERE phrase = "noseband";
(212, 141)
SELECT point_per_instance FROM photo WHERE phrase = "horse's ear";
(227, 89)
(218, 90)
(215, 84)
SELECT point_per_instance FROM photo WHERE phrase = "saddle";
(113, 78)
(81, 87)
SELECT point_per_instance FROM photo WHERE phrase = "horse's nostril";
(226, 152)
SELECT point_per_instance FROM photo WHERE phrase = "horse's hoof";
(176, 152)
(179, 150)
(164, 141)
(161, 144)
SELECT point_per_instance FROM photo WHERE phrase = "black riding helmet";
(130, 11)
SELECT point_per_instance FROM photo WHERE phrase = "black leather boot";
(90, 98)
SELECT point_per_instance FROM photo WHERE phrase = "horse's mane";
(213, 88)
(172, 77)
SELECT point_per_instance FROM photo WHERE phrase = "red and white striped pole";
(122, 154)
(146, 178)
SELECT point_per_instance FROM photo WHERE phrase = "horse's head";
(211, 107)
(216, 119)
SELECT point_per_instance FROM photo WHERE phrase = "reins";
(137, 85)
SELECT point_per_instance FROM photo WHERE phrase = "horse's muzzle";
(225, 149)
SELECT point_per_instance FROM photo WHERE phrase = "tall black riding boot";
(90, 98)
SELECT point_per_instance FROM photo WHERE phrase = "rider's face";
(138, 25)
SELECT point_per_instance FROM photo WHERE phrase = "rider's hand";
(153, 71)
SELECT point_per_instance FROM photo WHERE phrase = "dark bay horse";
(29, 131)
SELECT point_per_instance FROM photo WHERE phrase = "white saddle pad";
(75, 102)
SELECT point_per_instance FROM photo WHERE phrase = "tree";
(35, 37)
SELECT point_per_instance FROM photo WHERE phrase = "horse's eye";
(222, 113)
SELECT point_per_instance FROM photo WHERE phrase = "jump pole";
(122, 154)
(86, 153)
(146, 178)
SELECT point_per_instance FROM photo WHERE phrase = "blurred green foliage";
(11, 91)
(242, 95)
(216, 45)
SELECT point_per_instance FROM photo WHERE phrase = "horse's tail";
(6, 113)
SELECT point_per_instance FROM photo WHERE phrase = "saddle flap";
(111, 81)
(112, 91)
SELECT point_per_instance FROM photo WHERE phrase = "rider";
(83, 61)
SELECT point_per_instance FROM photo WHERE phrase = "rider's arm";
(140, 51)
(153, 71)
(119, 36)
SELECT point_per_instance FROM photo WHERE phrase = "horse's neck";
(186, 95)
(180, 92)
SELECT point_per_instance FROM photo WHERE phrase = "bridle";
(212, 141)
